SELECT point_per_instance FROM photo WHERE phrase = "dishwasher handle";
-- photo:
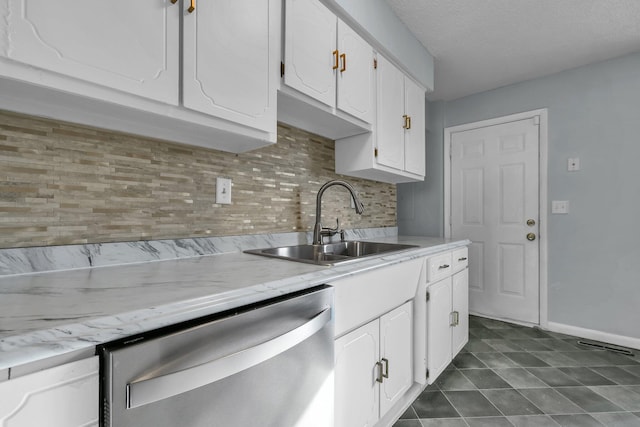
(149, 390)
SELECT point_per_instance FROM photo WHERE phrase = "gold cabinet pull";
(174, 1)
(343, 57)
(380, 376)
(335, 58)
(386, 368)
(406, 122)
(531, 237)
(192, 7)
(409, 122)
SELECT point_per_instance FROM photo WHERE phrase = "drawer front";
(439, 267)
(460, 259)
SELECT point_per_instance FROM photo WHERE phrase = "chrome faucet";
(318, 230)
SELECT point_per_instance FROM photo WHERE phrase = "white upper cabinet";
(328, 84)
(120, 44)
(414, 134)
(401, 122)
(202, 74)
(390, 125)
(230, 61)
(395, 151)
(356, 87)
(310, 50)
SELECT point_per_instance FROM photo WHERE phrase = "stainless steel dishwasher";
(269, 364)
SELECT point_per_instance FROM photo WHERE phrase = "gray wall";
(594, 252)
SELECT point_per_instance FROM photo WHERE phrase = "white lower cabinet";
(64, 396)
(447, 321)
(441, 313)
(373, 368)
(438, 328)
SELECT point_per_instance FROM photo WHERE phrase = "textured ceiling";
(480, 45)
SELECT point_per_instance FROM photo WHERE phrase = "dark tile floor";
(509, 375)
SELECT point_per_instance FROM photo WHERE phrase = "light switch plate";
(223, 191)
(559, 206)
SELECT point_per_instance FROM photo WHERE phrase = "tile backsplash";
(62, 183)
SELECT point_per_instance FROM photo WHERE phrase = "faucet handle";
(334, 230)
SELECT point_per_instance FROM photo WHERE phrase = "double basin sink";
(331, 253)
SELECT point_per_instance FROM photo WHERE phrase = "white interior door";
(495, 204)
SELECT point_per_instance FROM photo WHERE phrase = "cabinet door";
(64, 396)
(414, 136)
(310, 42)
(389, 120)
(356, 75)
(439, 328)
(230, 61)
(132, 46)
(460, 304)
(357, 394)
(396, 349)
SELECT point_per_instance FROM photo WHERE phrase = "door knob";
(531, 222)
(531, 237)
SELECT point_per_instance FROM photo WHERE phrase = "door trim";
(542, 195)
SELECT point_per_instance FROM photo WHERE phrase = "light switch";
(223, 191)
(573, 164)
(559, 206)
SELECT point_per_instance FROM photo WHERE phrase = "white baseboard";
(592, 334)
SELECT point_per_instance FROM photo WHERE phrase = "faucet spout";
(359, 207)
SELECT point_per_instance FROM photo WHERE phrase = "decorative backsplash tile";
(62, 183)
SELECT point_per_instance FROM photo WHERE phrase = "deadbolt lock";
(531, 222)
(531, 237)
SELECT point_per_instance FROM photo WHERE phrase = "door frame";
(542, 194)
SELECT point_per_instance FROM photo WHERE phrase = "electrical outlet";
(223, 191)
(559, 206)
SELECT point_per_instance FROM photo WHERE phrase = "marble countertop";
(47, 316)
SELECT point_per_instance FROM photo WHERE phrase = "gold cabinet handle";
(343, 57)
(192, 7)
(406, 122)
(380, 374)
(174, 1)
(409, 120)
(454, 318)
(531, 237)
(386, 368)
(335, 58)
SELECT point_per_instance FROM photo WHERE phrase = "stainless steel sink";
(332, 253)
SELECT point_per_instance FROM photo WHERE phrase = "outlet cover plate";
(223, 191)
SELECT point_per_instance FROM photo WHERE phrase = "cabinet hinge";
(428, 296)
(282, 69)
(375, 63)
(375, 152)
